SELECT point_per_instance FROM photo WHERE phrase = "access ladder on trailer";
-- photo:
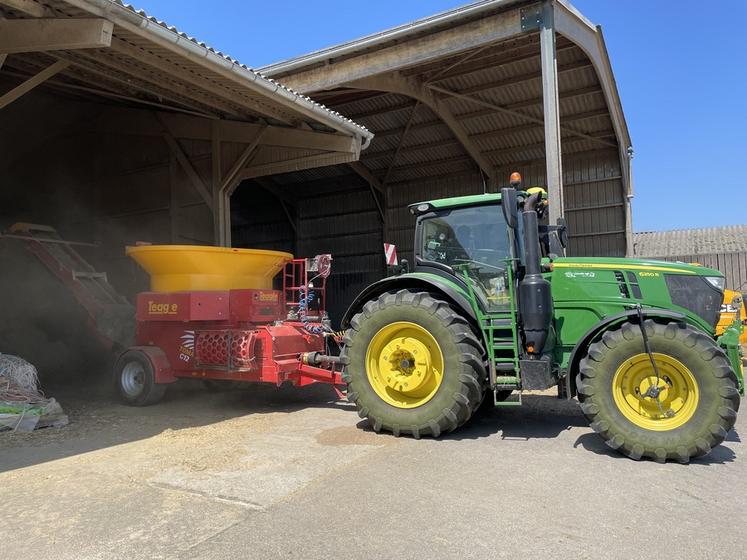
(111, 316)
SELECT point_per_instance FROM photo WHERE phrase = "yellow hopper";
(180, 268)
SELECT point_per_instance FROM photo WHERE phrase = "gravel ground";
(265, 474)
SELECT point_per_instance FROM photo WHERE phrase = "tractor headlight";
(718, 282)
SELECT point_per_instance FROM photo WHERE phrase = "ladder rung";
(92, 275)
(510, 380)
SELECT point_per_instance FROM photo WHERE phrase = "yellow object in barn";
(729, 312)
(177, 268)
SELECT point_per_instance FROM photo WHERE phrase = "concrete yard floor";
(258, 473)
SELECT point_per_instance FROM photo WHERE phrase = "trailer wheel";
(689, 411)
(413, 365)
(135, 379)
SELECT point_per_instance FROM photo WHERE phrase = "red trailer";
(212, 314)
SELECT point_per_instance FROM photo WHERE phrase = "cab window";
(473, 240)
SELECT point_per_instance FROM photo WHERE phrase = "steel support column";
(551, 112)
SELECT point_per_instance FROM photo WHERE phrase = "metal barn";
(456, 102)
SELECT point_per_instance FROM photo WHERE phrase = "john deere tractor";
(493, 308)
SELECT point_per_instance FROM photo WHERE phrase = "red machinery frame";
(268, 336)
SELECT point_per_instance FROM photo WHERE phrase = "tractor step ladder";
(90, 288)
(501, 337)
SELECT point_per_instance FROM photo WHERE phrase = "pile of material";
(23, 407)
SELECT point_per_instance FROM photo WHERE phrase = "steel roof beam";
(165, 86)
(551, 113)
(450, 41)
(133, 86)
(523, 78)
(137, 122)
(410, 87)
(29, 7)
(373, 183)
(186, 165)
(31, 83)
(145, 57)
(492, 153)
(483, 112)
(296, 164)
(481, 136)
(40, 35)
(493, 59)
(365, 173)
(523, 116)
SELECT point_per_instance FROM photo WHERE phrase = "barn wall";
(347, 224)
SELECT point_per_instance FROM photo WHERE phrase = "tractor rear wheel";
(135, 379)
(684, 412)
(413, 365)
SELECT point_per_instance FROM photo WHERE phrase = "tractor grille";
(697, 295)
(225, 349)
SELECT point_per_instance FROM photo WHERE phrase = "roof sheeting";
(158, 65)
(681, 242)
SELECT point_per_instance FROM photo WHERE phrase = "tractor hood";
(643, 265)
(693, 290)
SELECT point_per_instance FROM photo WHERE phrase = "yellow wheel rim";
(404, 365)
(678, 392)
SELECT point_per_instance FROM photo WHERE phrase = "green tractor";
(492, 309)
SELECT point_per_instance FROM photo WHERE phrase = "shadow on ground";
(98, 420)
(718, 456)
(540, 416)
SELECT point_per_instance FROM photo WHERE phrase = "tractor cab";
(467, 236)
(482, 238)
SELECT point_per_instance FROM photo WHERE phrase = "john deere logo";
(155, 308)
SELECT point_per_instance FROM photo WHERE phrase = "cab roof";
(455, 202)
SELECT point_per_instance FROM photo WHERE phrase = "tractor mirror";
(509, 202)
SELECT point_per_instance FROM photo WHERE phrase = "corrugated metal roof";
(679, 242)
(175, 68)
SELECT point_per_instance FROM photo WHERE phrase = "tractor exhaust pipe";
(535, 297)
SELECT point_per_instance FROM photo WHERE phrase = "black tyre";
(697, 398)
(135, 379)
(393, 352)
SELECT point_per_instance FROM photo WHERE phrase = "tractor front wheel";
(683, 411)
(413, 365)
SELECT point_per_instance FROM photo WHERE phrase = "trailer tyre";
(413, 365)
(697, 399)
(135, 379)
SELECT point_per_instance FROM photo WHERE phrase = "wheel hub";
(659, 404)
(404, 364)
(408, 364)
(133, 379)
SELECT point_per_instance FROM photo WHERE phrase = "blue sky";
(681, 69)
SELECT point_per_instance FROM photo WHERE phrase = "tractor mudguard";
(417, 281)
(603, 325)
